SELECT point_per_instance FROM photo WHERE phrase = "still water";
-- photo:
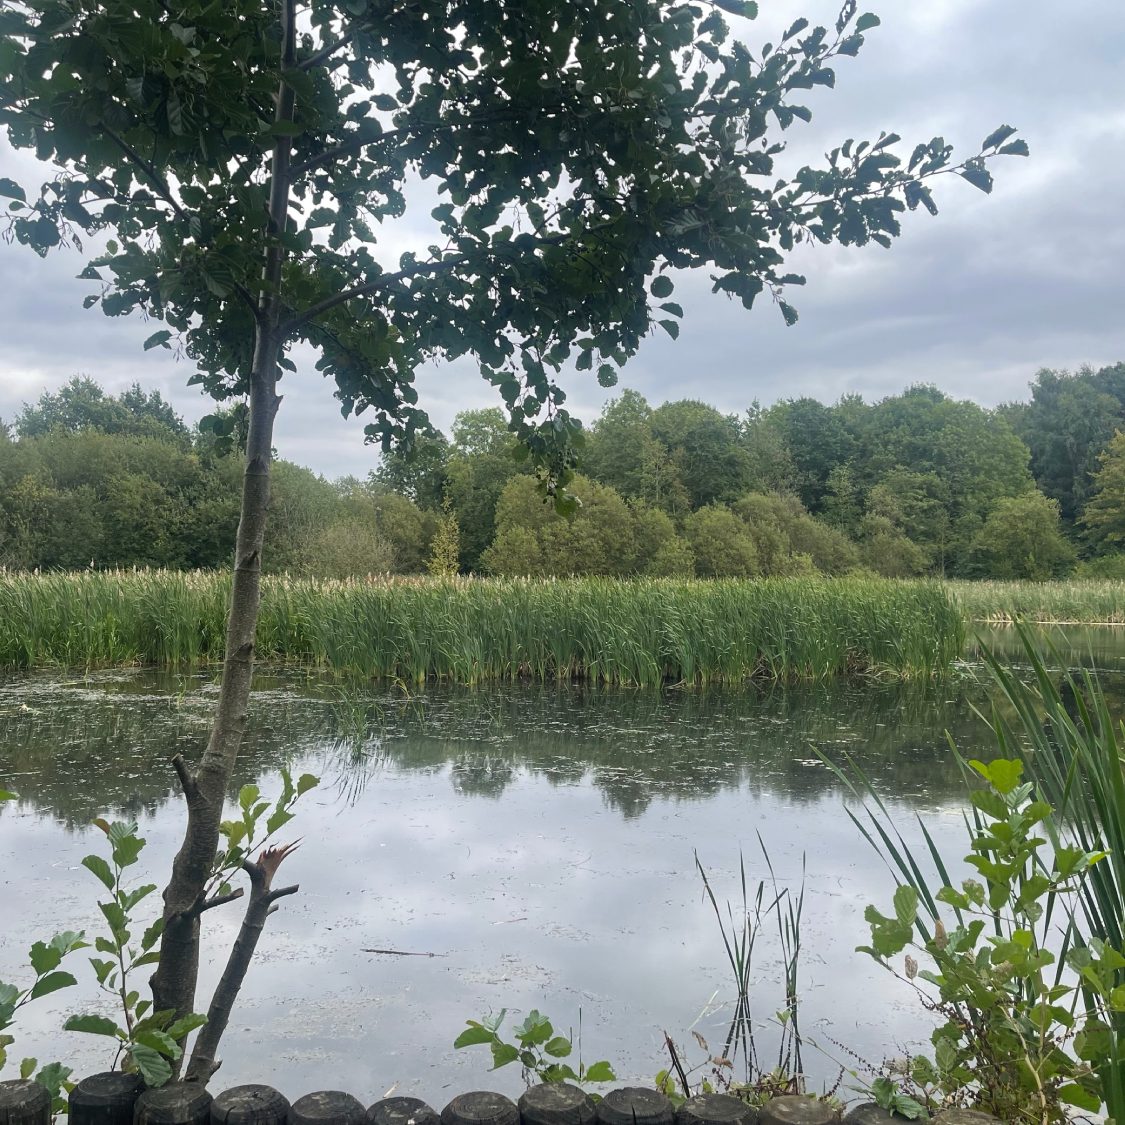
(518, 847)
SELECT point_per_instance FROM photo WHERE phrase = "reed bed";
(642, 632)
(1090, 601)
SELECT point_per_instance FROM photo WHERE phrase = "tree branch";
(187, 778)
(330, 49)
(260, 906)
(146, 167)
(383, 281)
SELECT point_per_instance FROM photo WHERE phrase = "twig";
(402, 953)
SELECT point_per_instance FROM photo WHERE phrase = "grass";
(643, 632)
(1089, 601)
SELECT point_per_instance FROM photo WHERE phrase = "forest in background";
(915, 484)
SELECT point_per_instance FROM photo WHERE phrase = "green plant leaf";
(600, 1071)
(93, 1025)
(661, 287)
(473, 1035)
(52, 982)
(100, 868)
(185, 1025)
(9, 189)
(558, 1047)
(44, 957)
(154, 1067)
(158, 340)
(504, 1053)
(159, 1041)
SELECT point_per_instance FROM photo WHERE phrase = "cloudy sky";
(974, 301)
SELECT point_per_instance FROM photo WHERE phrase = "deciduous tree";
(234, 157)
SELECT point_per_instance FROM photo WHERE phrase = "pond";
(517, 847)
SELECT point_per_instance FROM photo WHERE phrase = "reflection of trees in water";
(76, 750)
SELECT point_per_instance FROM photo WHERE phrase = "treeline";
(916, 484)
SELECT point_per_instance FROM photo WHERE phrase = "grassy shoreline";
(1091, 601)
(640, 632)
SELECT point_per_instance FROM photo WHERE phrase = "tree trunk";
(173, 984)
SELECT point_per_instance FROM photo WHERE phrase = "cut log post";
(796, 1109)
(480, 1107)
(869, 1113)
(716, 1109)
(252, 1104)
(108, 1098)
(557, 1103)
(327, 1107)
(178, 1103)
(401, 1111)
(635, 1105)
(23, 1102)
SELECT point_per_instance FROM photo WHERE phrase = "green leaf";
(978, 175)
(867, 21)
(27, 1068)
(558, 1047)
(100, 868)
(748, 9)
(473, 1035)
(906, 905)
(44, 957)
(607, 375)
(247, 795)
(1003, 774)
(185, 1025)
(1073, 1094)
(1016, 148)
(504, 1053)
(306, 782)
(671, 327)
(278, 819)
(998, 136)
(9, 189)
(93, 1025)
(600, 1071)
(154, 1067)
(52, 982)
(661, 287)
(8, 795)
(158, 339)
(159, 1041)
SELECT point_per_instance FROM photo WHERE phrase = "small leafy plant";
(44, 959)
(151, 1042)
(536, 1047)
(147, 1041)
(1020, 1037)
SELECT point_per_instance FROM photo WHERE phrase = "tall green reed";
(641, 632)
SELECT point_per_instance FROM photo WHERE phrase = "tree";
(1104, 515)
(82, 404)
(1067, 424)
(817, 441)
(417, 473)
(445, 549)
(721, 544)
(234, 156)
(482, 461)
(706, 448)
(1021, 539)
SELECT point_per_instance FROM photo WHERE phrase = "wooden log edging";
(120, 1099)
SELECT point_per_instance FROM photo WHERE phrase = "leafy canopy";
(577, 152)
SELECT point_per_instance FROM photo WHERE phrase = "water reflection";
(539, 840)
(76, 749)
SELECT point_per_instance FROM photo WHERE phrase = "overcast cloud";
(974, 301)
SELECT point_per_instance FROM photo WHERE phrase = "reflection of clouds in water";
(539, 842)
